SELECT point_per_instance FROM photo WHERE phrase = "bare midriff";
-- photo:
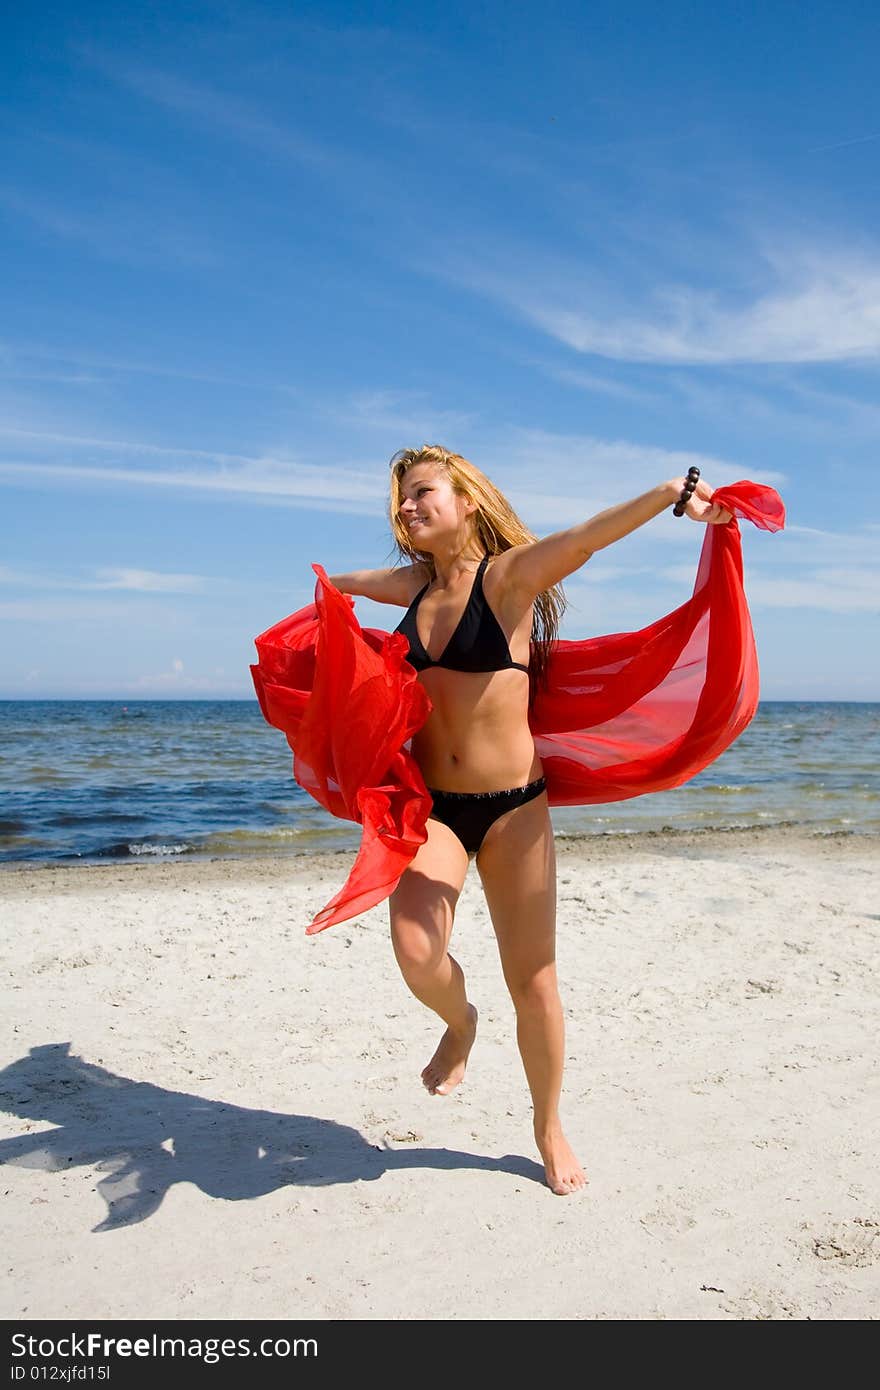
(477, 736)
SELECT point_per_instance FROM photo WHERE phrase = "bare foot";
(446, 1067)
(564, 1174)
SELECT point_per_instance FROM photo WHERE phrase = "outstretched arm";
(398, 586)
(537, 566)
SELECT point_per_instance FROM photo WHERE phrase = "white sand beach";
(208, 1114)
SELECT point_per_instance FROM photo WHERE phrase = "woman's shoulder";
(506, 601)
(420, 574)
(411, 579)
(500, 565)
(398, 585)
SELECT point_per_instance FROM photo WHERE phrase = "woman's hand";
(699, 508)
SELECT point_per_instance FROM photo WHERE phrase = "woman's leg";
(422, 914)
(517, 866)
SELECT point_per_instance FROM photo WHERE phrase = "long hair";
(497, 527)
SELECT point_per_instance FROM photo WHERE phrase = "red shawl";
(622, 715)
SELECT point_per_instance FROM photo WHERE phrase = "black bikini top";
(477, 644)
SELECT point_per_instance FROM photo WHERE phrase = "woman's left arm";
(535, 567)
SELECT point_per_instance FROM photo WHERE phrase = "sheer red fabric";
(625, 714)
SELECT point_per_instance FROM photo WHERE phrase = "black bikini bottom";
(469, 814)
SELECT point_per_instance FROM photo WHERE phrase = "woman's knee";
(536, 993)
(419, 950)
(423, 903)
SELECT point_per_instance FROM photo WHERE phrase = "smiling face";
(431, 511)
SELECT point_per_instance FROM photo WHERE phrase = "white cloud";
(598, 385)
(19, 357)
(832, 590)
(842, 144)
(117, 231)
(111, 578)
(267, 478)
(401, 414)
(809, 545)
(818, 304)
(615, 459)
(151, 582)
(100, 611)
(586, 473)
(174, 681)
(217, 110)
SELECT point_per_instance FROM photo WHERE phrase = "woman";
(480, 589)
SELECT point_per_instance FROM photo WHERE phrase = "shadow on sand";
(144, 1138)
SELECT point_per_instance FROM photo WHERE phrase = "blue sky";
(249, 251)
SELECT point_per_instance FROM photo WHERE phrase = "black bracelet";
(687, 491)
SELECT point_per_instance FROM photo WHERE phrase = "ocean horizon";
(96, 781)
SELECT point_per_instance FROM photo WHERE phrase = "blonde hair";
(496, 526)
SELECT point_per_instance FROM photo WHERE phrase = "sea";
(99, 781)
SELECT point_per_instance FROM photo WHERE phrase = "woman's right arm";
(398, 585)
(538, 565)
